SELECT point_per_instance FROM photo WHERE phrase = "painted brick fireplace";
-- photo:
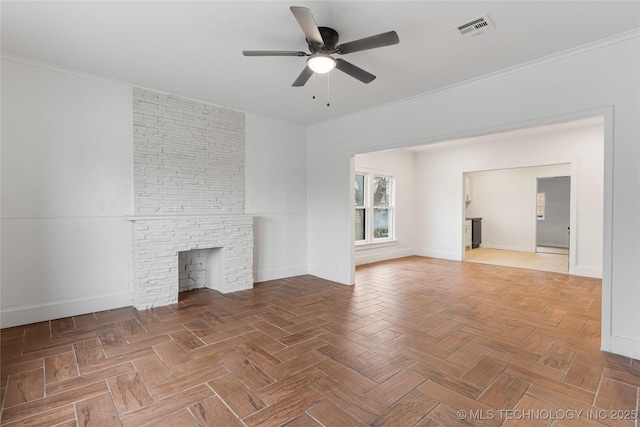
(188, 195)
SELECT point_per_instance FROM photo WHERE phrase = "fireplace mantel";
(179, 215)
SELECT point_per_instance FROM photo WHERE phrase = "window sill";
(376, 245)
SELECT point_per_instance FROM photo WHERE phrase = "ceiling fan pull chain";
(314, 86)
(328, 89)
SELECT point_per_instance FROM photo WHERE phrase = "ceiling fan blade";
(308, 24)
(372, 42)
(272, 53)
(303, 77)
(353, 71)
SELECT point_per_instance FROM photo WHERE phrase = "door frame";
(573, 218)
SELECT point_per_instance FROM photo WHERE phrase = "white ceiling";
(193, 49)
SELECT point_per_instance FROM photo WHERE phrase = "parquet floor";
(417, 342)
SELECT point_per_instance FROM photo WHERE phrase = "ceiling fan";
(323, 42)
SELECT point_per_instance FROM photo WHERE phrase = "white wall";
(276, 195)
(577, 84)
(67, 190)
(505, 200)
(66, 187)
(399, 163)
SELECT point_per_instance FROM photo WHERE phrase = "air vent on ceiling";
(476, 26)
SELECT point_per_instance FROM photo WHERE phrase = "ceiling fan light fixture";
(321, 63)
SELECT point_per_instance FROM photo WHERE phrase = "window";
(361, 216)
(373, 207)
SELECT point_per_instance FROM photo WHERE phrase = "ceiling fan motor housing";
(330, 38)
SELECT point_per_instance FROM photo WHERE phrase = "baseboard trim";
(593, 272)
(342, 277)
(506, 248)
(383, 256)
(32, 313)
(452, 256)
(624, 347)
(279, 273)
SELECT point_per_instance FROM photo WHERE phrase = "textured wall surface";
(188, 156)
(188, 169)
(158, 241)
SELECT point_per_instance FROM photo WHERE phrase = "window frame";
(369, 208)
(362, 207)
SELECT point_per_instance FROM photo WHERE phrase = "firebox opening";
(201, 268)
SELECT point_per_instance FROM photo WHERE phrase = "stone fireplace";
(201, 268)
(158, 241)
(188, 196)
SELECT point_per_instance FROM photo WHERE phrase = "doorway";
(512, 209)
(553, 214)
(503, 169)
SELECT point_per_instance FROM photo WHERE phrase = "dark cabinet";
(476, 232)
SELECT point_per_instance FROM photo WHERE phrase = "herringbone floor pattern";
(417, 341)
